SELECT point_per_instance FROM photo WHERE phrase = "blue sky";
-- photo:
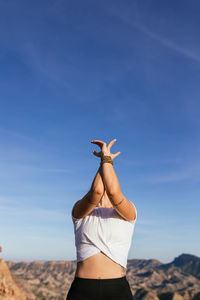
(73, 71)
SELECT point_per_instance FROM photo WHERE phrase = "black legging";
(99, 289)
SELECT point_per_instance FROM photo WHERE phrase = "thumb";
(95, 153)
(116, 154)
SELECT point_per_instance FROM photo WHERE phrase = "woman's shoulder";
(102, 213)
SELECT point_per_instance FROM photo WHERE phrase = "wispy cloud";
(21, 137)
(33, 214)
(27, 168)
(7, 201)
(155, 36)
(51, 170)
(152, 161)
(146, 222)
(21, 155)
(176, 176)
(166, 42)
(192, 173)
(47, 65)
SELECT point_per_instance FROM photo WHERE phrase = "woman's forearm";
(97, 184)
(110, 179)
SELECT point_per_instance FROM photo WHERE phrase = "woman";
(104, 222)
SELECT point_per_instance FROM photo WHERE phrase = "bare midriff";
(99, 266)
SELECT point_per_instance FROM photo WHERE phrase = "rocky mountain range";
(149, 279)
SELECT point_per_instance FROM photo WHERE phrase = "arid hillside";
(8, 288)
(148, 279)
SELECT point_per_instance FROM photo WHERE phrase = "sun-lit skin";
(105, 201)
(95, 266)
(99, 265)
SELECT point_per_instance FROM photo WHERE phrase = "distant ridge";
(148, 278)
(188, 263)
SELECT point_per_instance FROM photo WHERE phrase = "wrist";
(106, 159)
(105, 155)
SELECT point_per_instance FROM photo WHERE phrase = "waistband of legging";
(110, 280)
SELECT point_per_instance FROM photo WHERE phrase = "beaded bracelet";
(106, 159)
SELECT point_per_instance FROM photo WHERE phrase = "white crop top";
(103, 230)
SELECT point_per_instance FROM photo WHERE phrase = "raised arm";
(86, 205)
(124, 207)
